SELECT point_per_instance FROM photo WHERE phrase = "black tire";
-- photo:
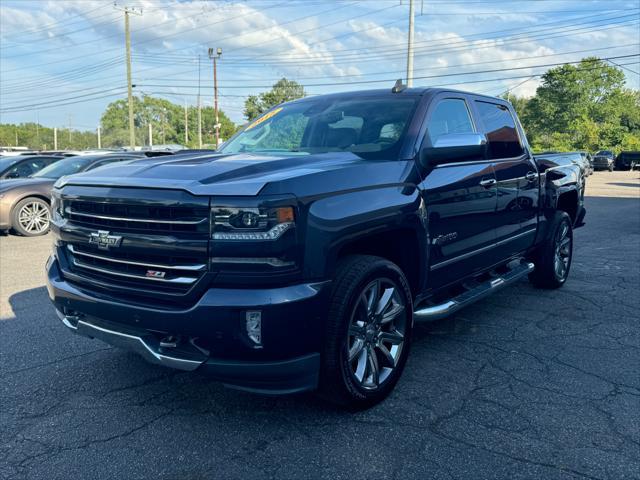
(345, 333)
(42, 215)
(548, 273)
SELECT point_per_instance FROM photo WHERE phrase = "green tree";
(38, 137)
(282, 91)
(581, 107)
(167, 123)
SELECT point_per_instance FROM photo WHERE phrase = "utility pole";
(199, 109)
(55, 138)
(99, 138)
(410, 47)
(70, 120)
(164, 121)
(186, 124)
(127, 40)
(150, 136)
(215, 56)
(16, 136)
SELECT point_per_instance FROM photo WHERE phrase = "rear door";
(460, 199)
(517, 175)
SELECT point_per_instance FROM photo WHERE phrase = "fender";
(339, 220)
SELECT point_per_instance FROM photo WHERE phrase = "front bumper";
(602, 165)
(210, 334)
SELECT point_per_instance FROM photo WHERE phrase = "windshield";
(6, 162)
(369, 127)
(605, 153)
(66, 166)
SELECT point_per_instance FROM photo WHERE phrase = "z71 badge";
(155, 274)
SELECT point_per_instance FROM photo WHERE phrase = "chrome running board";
(484, 289)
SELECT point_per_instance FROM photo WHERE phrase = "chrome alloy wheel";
(34, 217)
(376, 333)
(562, 257)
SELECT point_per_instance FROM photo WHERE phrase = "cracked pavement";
(527, 384)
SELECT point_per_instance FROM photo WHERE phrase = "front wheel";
(31, 217)
(553, 257)
(368, 332)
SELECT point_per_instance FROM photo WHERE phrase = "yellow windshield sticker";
(264, 118)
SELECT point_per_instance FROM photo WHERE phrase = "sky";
(62, 62)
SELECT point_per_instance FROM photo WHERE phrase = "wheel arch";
(38, 195)
(569, 201)
(400, 245)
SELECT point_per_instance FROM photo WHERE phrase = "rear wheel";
(31, 217)
(553, 257)
(368, 332)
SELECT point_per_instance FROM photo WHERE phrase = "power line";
(350, 58)
(462, 43)
(59, 22)
(423, 77)
(386, 72)
(446, 75)
(161, 37)
(448, 67)
(479, 62)
(50, 37)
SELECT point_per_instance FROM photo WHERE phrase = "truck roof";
(380, 92)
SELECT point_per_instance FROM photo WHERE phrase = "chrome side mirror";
(455, 147)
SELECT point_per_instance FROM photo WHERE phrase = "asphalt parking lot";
(526, 384)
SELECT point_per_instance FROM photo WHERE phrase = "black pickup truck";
(299, 256)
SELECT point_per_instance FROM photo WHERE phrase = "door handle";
(531, 176)
(488, 182)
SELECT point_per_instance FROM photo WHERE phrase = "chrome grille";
(157, 218)
(160, 240)
(105, 266)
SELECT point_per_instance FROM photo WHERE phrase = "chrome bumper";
(147, 347)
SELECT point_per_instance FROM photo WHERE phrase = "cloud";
(315, 42)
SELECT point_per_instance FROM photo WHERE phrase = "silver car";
(24, 202)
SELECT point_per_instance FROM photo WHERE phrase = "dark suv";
(604, 160)
(300, 255)
(627, 160)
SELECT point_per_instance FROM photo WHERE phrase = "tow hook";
(170, 341)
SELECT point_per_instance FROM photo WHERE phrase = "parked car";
(604, 160)
(627, 160)
(20, 166)
(300, 254)
(588, 160)
(25, 202)
(10, 151)
(579, 159)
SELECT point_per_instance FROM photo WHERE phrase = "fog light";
(253, 324)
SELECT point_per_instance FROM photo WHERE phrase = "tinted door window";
(500, 129)
(24, 169)
(450, 116)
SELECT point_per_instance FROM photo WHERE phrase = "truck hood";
(218, 174)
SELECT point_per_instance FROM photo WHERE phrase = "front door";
(460, 200)
(517, 176)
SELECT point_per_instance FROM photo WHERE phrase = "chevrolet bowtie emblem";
(103, 240)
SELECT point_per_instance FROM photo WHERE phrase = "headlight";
(252, 224)
(56, 206)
